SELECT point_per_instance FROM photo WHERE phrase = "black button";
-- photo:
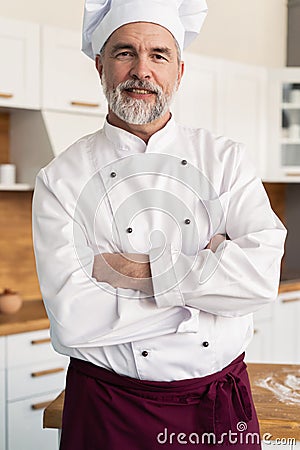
(129, 230)
(187, 221)
(113, 174)
(205, 344)
(145, 354)
(184, 162)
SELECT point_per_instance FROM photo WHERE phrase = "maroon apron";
(106, 411)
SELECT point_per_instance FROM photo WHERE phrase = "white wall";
(252, 31)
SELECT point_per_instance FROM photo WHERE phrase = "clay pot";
(10, 302)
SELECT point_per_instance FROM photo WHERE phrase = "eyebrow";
(123, 45)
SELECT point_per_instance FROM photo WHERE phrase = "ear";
(99, 65)
(180, 73)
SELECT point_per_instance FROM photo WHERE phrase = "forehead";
(146, 33)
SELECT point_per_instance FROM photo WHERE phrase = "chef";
(154, 245)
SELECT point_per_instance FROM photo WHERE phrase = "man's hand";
(132, 270)
(124, 270)
(215, 242)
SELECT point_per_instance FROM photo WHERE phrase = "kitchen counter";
(289, 286)
(31, 317)
(279, 415)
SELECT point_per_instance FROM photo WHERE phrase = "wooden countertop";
(279, 419)
(31, 317)
(278, 414)
(289, 286)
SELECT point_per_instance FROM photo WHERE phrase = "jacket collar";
(128, 142)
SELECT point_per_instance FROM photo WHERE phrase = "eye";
(159, 57)
(123, 55)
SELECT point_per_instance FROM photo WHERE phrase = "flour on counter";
(287, 392)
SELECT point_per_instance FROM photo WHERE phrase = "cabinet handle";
(290, 300)
(86, 104)
(6, 95)
(43, 373)
(255, 331)
(293, 174)
(41, 341)
(41, 405)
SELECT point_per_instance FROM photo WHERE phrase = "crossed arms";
(132, 270)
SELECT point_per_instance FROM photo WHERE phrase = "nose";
(140, 70)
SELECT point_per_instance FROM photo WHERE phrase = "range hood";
(36, 137)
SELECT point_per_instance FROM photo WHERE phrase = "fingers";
(215, 242)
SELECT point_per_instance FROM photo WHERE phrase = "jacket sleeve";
(243, 274)
(83, 312)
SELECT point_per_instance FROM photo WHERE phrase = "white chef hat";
(183, 18)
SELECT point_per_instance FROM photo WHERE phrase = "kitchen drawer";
(289, 297)
(2, 387)
(26, 348)
(260, 348)
(265, 312)
(2, 352)
(2, 426)
(286, 324)
(2, 411)
(25, 425)
(36, 379)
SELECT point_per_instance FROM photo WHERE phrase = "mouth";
(139, 92)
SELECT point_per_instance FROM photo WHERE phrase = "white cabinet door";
(244, 109)
(2, 410)
(35, 374)
(19, 74)
(31, 347)
(2, 393)
(283, 150)
(228, 99)
(70, 79)
(2, 352)
(286, 327)
(25, 425)
(196, 102)
(261, 347)
(35, 379)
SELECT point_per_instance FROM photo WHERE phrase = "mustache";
(139, 84)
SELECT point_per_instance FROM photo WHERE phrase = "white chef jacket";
(112, 192)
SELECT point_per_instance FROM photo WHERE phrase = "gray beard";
(135, 111)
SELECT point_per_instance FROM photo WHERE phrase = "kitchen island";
(277, 403)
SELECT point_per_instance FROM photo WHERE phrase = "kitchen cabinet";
(2, 412)
(227, 98)
(286, 336)
(283, 152)
(260, 348)
(243, 103)
(2, 395)
(72, 106)
(20, 64)
(25, 425)
(35, 374)
(197, 100)
(75, 87)
(276, 331)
